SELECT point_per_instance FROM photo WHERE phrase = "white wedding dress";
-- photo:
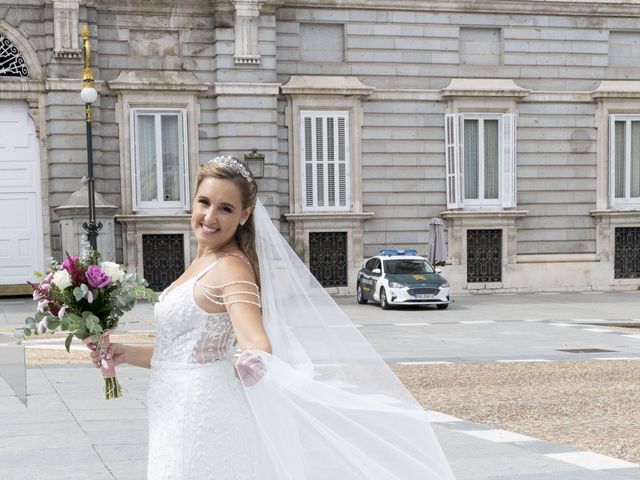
(200, 424)
(326, 405)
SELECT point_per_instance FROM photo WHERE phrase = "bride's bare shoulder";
(230, 268)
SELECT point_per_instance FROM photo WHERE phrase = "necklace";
(216, 253)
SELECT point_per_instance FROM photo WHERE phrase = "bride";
(256, 373)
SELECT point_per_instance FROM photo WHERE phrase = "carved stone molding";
(606, 222)
(302, 224)
(135, 226)
(458, 222)
(326, 85)
(484, 87)
(65, 29)
(247, 16)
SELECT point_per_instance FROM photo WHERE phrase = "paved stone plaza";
(69, 432)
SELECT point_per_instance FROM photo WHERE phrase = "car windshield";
(396, 267)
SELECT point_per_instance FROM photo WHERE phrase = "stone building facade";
(517, 123)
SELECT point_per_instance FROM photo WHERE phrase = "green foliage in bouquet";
(84, 297)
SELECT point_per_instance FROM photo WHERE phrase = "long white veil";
(328, 406)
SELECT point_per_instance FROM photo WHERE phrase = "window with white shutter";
(159, 159)
(480, 160)
(325, 160)
(452, 155)
(624, 160)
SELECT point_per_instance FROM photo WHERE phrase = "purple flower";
(71, 265)
(96, 277)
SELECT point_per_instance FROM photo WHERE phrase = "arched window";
(12, 63)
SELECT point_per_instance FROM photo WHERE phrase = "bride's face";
(217, 213)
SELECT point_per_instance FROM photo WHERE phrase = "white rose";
(113, 270)
(61, 279)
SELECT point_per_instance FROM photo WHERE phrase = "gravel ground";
(593, 405)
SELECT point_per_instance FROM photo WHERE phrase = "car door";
(376, 275)
(367, 281)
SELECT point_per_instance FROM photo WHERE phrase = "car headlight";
(445, 285)
(395, 285)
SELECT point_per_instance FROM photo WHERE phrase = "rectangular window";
(480, 156)
(159, 159)
(624, 159)
(481, 159)
(325, 163)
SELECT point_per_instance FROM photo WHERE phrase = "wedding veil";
(328, 406)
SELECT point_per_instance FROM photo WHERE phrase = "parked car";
(401, 277)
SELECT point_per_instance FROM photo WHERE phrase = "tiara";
(234, 163)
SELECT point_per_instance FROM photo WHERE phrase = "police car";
(401, 277)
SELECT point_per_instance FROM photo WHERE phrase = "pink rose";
(70, 264)
(96, 277)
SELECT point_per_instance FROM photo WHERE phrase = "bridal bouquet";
(86, 298)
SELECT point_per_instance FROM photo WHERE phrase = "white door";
(21, 240)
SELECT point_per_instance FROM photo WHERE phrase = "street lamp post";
(89, 95)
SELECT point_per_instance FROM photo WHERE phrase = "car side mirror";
(376, 270)
(438, 270)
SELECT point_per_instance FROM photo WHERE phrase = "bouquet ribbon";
(108, 368)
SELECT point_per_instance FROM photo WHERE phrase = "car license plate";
(423, 296)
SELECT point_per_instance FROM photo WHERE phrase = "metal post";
(92, 227)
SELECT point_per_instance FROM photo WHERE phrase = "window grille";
(162, 259)
(12, 63)
(328, 258)
(484, 256)
(627, 252)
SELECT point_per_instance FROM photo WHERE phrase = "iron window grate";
(328, 258)
(162, 259)
(484, 256)
(627, 252)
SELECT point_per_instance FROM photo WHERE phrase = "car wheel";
(384, 304)
(360, 295)
(443, 306)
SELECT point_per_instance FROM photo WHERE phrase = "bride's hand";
(115, 352)
(249, 368)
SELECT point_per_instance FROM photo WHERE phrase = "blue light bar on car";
(389, 252)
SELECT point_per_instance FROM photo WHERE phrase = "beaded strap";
(223, 299)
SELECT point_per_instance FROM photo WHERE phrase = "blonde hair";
(230, 170)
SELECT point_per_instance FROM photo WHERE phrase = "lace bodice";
(187, 334)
